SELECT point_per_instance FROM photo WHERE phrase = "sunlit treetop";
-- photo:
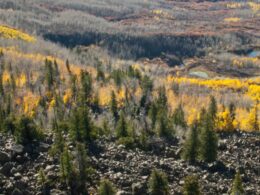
(11, 33)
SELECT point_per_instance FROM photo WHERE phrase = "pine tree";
(212, 110)
(113, 105)
(164, 127)
(191, 186)
(162, 99)
(179, 117)
(237, 188)
(191, 145)
(153, 111)
(208, 141)
(106, 188)
(82, 167)
(122, 127)
(67, 171)
(86, 88)
(49, 73)
(158, 183)
(81, 126)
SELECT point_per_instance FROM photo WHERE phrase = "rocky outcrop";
(129, 169)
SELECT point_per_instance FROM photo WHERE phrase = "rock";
(5, 170)
(43, 147)
(4, 157)
(17, 176)
(16, 150)
(17, 192)
(138, 188)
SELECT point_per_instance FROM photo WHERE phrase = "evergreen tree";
(162, 99)
(68, 173)
(86, 88)
(113, 105)
(122, 127)
(237, 188)
(212, 110)
(106, 188)
(49, 78)
(191, 145)
(82, 167)
(208, 141)
(191, 186)
(232, 111)
(179, 117)
(153, 111)
(81, 127)
(164, 127)
(158, 183)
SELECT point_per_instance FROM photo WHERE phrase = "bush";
(191, 186)
(26, 130)
(106, 188)
(158, 183)
(237, 188)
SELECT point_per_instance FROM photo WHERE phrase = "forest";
(89, 103)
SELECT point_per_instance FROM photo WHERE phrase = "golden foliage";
(11, 33)
(224, 121)
(235, 19)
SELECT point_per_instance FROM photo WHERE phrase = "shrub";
(26, 130)
(237, 188)
(158, 183)
(191, 186)
(106, 188)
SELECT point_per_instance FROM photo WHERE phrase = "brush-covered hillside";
(129, 97)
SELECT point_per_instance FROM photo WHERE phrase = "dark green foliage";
(106, 188)
(118, 76)
(191, 186)
(153, 111)
(113, 105)
(86, 88)
(100, 74)
(208, 141)
(81, 126)
(191, 145)
(164, 127)
(212, 110)
(158, 183)
(82, 163)
(134, 73)
(26, 130)
(179, 117)
(49, 74)
(146, 84)
(43, 181)
(67, 171)
(122, 127)
(162, 99)
(237, 187)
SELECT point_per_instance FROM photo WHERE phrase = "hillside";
(129, 97)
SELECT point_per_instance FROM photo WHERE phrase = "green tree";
(164, 127)
(106, 188)
(86, 88)
(191, 186)
(68, 173)
(191, 145)
(208, 141)
(212, 110)
(49, 74)
(237, 187)
(113, 105)
(122, 127)
(158, 183)
(179, 117)
(81, 126)
(26, 130)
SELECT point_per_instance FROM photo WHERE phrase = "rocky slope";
(130, 169)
